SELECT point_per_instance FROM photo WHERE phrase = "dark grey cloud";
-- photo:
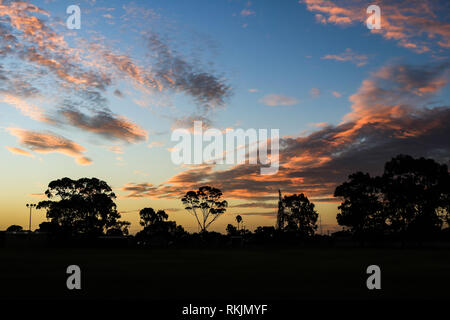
(207, 89)
(104, 123)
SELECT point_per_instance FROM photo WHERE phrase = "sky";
(103, 100)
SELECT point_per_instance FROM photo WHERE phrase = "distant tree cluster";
(411, 199)
(157, 230)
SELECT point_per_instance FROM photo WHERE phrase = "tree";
(149, 216)
(361, 209)
(205, 203)
(265, 234)
(14, 228)
(300, 214)
(411, 197)
(157, 231)
(83, 206)
(416, 192)
(238, 220)
(231, 230)
(49, 227)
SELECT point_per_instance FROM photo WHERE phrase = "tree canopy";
(300, 214)
(412, 196)
(206, 205)
(149, 216)
(83, 206)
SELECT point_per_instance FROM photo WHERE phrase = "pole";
(29, 225)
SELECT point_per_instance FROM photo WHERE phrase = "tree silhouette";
(231, 230)
(157, 231)
(416, 191)
(84, 206)
(49, 227)
(411, 197)
(14, 228)
(361, 209)
(205, 203)
(238, 220)
(300, 214)
(149, 216)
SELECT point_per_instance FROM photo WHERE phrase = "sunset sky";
(103, 100)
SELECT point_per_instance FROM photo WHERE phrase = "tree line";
(411, 199)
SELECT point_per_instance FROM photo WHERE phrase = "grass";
(306, 273)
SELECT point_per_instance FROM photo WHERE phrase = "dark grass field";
(307, 273)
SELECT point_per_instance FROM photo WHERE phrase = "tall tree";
(238, 220)
(84, 206)
(300, 214)
(205, 204)
(416, 191)
(361, 209)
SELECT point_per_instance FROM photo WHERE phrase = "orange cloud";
(26, 108)
(50, 143)
(412, 23)
(19, 152)
(274, 100)
(83, 161)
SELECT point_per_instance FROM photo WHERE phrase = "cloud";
(187, 122)
(105, 124)
(314, 92)
(247, 12)
(388, 117)
(155, 144)
(116, 149)
(266, 205)
(321, 124)
(337, 94)
(253, 90)
(50, 143)
(348, 55)
(84, 73)
(19, 152)
(414, 24)
(84, 161)
(140, 190)
(26, 108)
(274, 100)
(174, 71)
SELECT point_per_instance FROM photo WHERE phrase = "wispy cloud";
(84, 73)
(414, 24)
(336, 94)
(155, 144)
(247, 12)
(105, 124)
(274, 100)
(348, 55)
(19, 152)
(315, 92)
(50, 143)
